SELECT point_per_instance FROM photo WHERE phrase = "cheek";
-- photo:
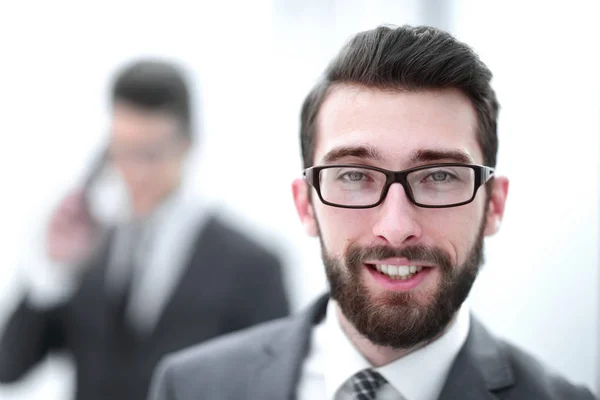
(454, 230)
(341, 228)
(167, 169)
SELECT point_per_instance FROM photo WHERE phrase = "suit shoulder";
(228, 361)
(228, 352)
(540, 381)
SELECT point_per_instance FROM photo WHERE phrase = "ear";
(301, 192)
(497, 199)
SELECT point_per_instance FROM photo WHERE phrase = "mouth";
(397, 272)
(398, 277)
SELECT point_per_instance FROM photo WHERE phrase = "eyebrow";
(430, 155)
(365, 152)
(419, 156)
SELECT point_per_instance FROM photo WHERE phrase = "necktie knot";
(366, 383)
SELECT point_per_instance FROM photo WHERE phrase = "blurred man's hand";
(72, 233)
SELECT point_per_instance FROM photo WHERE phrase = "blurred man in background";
(118, 297)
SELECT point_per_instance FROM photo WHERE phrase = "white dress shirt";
(161, 255)
(420, 375)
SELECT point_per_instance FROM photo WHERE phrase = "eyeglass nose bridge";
(397, 177)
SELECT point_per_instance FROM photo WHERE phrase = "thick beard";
(393, 319)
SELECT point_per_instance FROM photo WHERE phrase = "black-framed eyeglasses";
(428, 186)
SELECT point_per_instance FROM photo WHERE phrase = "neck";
(376, 355)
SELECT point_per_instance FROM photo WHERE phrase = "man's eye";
(440, 176)
(354, 176)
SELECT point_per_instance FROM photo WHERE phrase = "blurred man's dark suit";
(227, 283)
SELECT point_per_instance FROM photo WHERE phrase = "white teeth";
(401, 272)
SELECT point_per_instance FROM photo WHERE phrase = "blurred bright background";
(253, 62)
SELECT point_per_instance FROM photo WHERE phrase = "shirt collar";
(342, 360)
(419, 375)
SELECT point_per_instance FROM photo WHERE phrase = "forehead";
(397, 124)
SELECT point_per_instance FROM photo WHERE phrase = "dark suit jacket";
(265, 362)
(230, 283)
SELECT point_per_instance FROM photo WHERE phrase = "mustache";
(357, 255)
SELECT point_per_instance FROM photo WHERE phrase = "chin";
(404, 300)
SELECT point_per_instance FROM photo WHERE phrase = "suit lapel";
(278, 377)
(480, 368)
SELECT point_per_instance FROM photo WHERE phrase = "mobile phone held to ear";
(74, 233)
(97, 167)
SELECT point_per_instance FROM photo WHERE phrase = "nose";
(397, 223)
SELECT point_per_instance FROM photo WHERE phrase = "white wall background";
(541, 283)
(255, 62)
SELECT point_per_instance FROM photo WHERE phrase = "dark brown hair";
(155, 85)
(407, 58)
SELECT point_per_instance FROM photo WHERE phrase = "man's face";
(399, 130)
(148, 151)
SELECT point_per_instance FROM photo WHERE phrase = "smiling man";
(399, 146)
